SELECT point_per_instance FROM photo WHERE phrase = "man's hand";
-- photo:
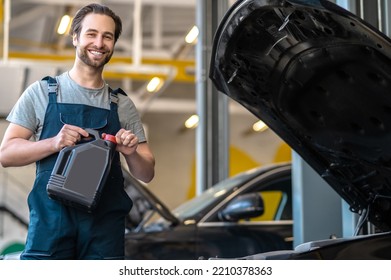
(127, 142)
(138, 156)
(69, 135)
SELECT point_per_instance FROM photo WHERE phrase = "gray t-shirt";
(30, 109)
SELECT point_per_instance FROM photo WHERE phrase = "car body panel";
(240, 239)
(365, 247)
(320, 77)
(200, 231)
(174, 243)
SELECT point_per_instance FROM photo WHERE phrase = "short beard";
(83, 56)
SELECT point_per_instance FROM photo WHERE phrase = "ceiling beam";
(174, 3)
(120, 66)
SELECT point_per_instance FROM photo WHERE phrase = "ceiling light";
(191, 37)
(192, 122)
(154, 84)
(64, 25)
(259, 126)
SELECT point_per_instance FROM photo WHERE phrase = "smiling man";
(52, 114)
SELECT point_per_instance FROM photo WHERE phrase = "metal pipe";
(212, 135)
(157, 23)
(137, 33)
(387, 13)
(379, 15)
(362, 14)
(7, 18)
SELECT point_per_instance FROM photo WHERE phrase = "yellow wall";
(241, 161)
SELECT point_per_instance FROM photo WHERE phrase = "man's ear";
(74, 40)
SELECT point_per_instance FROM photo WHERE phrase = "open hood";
(143, 201)
(320, 78)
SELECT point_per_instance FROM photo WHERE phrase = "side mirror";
(243, 207)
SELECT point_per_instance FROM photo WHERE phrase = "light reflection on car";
(246, 214)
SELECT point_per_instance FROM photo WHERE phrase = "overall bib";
(60, 232)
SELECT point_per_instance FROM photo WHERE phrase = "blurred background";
(154, 62)
(161, 61)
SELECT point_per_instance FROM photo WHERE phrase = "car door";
(272, 230)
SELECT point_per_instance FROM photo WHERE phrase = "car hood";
(143, 201)
(320, 78)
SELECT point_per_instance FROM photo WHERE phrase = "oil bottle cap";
(110, 138)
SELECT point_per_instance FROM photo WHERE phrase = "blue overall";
(60, 232)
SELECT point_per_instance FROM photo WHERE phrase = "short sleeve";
(29, 110)
(130, 117)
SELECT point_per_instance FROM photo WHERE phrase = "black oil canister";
(80, 171)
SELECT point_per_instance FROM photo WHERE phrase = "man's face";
(95, 44)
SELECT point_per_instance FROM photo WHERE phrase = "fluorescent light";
(154, 84)
(259, 126)
(192, 35)
(192, 122)
(64, 25)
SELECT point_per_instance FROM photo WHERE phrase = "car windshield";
(208, 197)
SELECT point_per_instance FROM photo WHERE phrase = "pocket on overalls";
(85, 120)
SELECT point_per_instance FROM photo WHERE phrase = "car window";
(275, 190)
(211, 195)
(277, 199)
(272, 201)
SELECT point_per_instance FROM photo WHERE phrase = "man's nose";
(99, 41)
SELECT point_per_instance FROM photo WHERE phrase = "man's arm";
(141, 163)
(17, 150)
(138, 156)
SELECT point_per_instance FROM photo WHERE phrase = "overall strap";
(114, 96)
(52, 88)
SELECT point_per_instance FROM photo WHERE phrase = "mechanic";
(41, 124)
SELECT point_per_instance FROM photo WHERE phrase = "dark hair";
(96, 9)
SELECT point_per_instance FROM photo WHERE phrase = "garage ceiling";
(152, 44)
(152, 41)
(163, 25)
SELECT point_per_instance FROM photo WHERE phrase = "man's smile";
(97, 53)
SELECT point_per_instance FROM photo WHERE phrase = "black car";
(320, 77)
(243, 215)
